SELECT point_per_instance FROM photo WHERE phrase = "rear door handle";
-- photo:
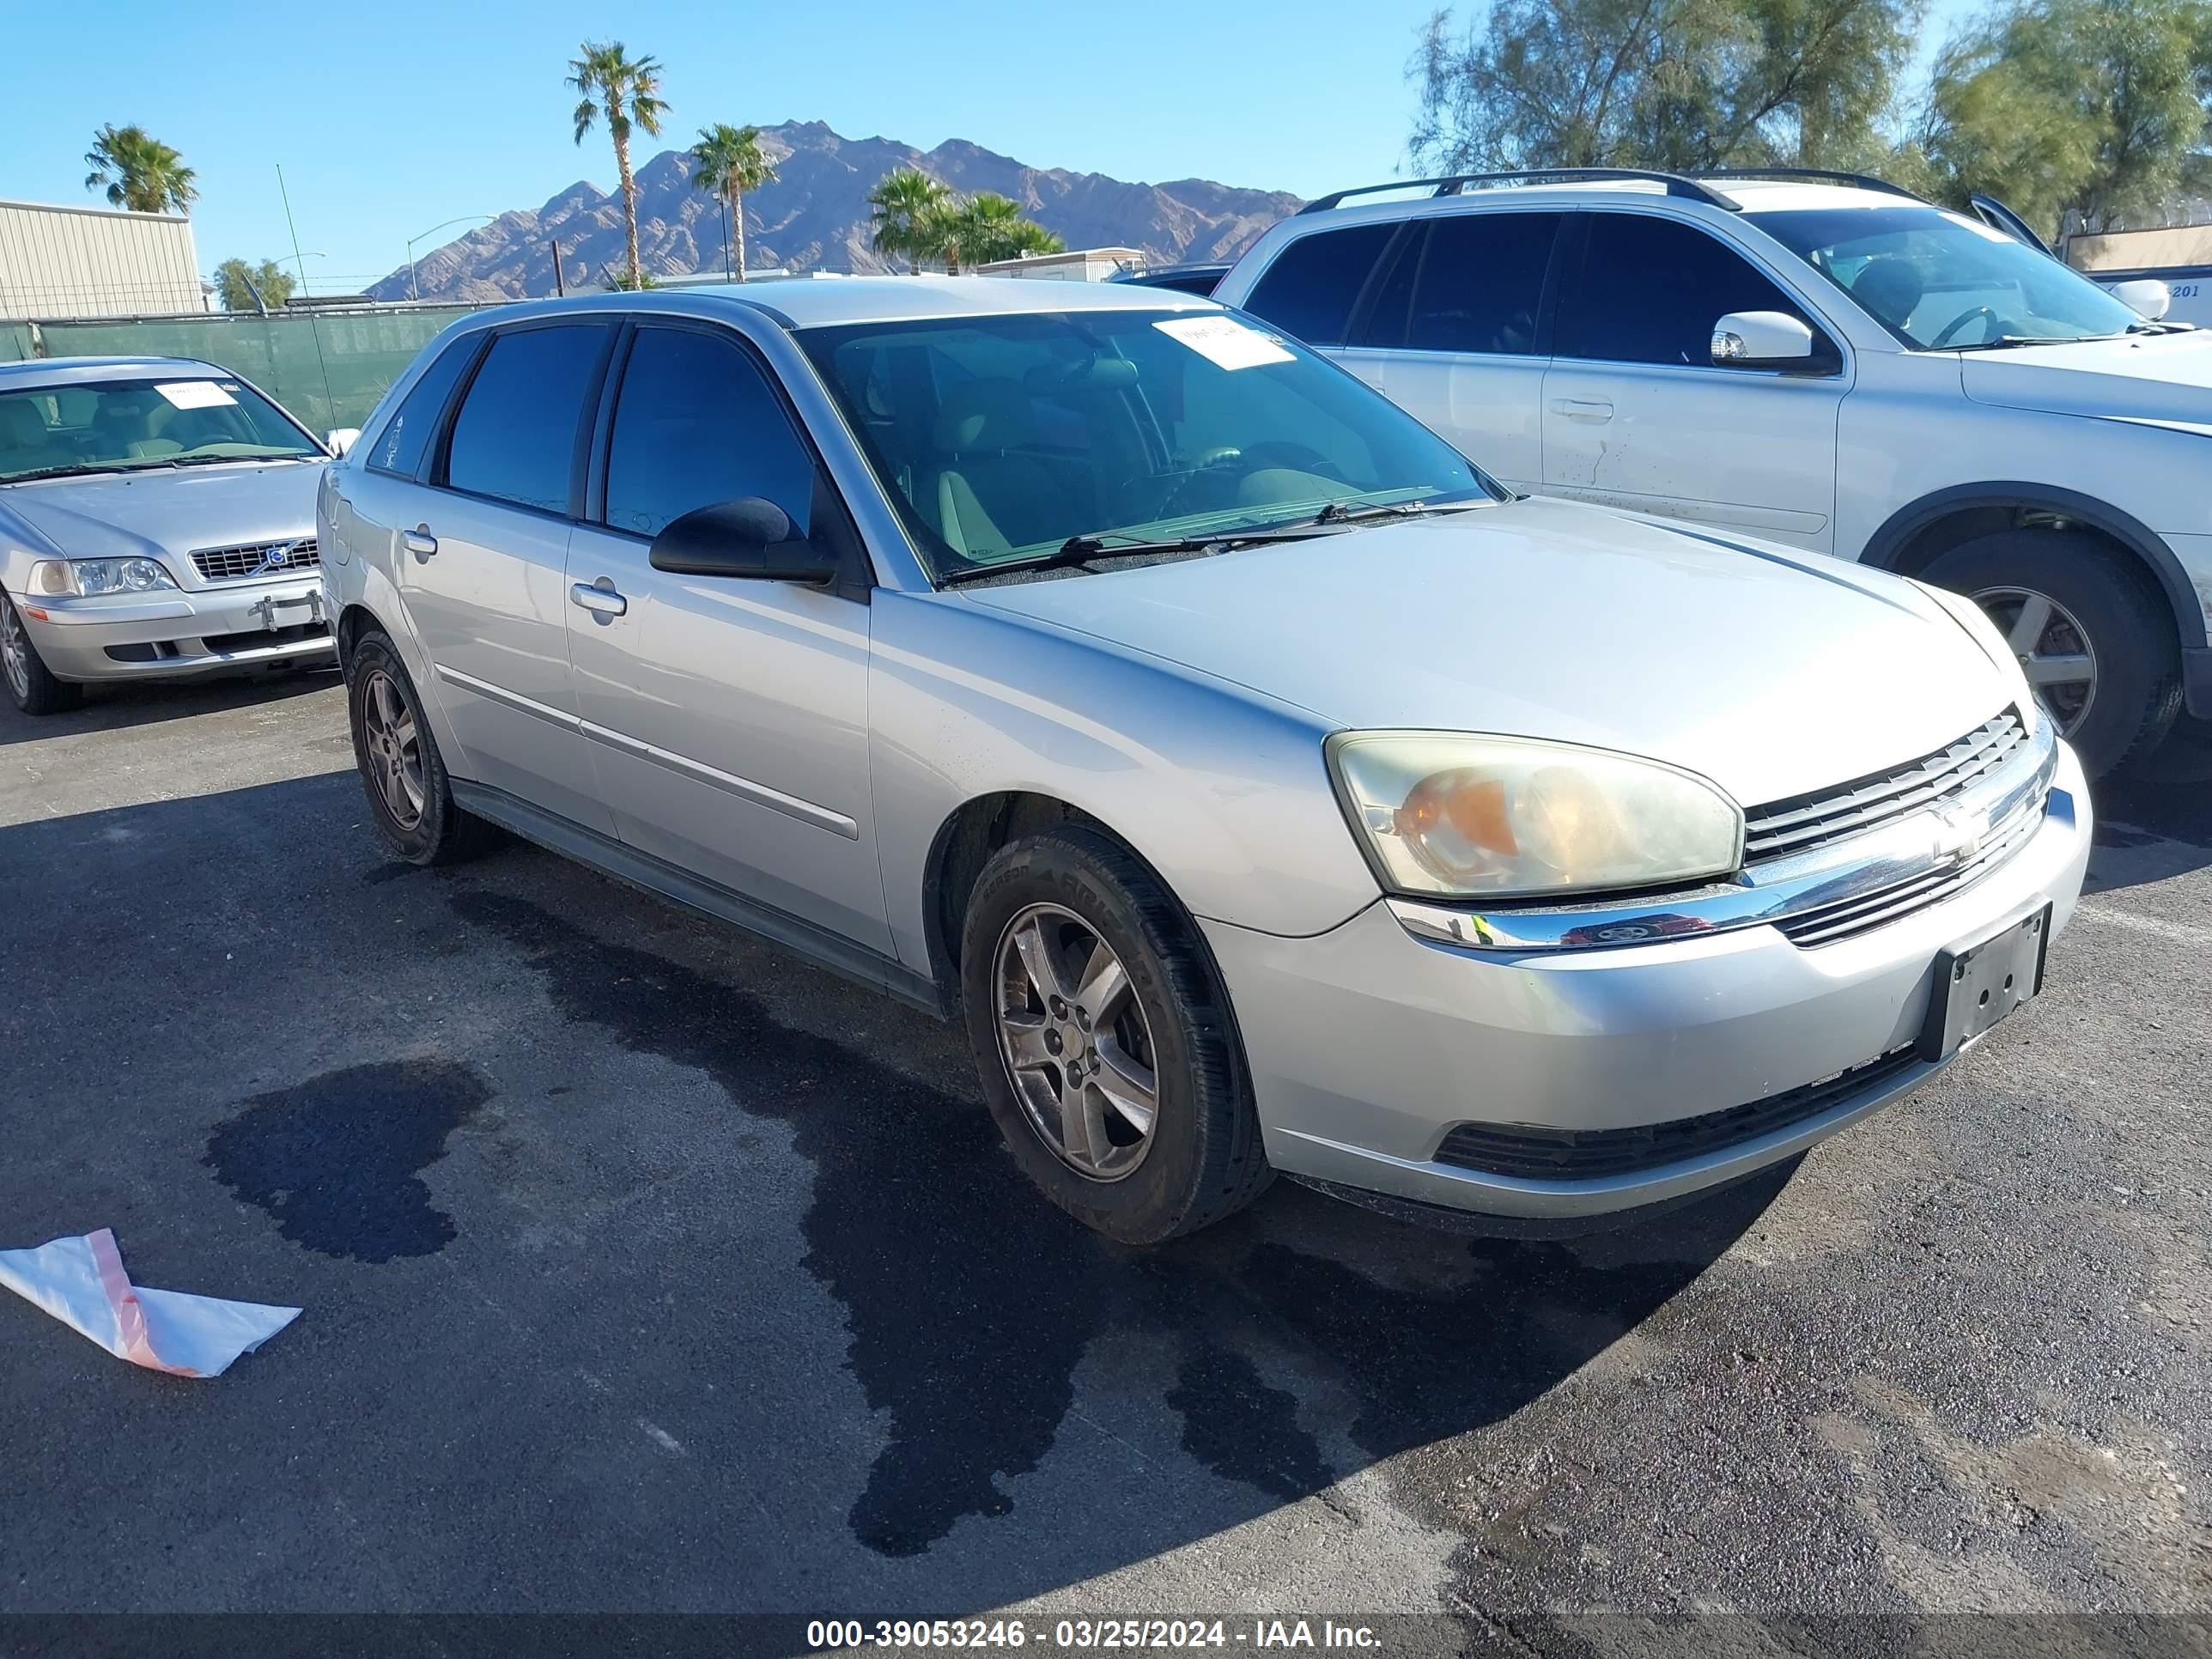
(419, 541)
(599, 600)
(1595, 410)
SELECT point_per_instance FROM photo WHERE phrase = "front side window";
(514, 438)
(406, 436)
(1310, 289)
(1938, 281)
(1000, 438)
(1652, 288)
(697, 422)
(1481, 281)
(121, 426)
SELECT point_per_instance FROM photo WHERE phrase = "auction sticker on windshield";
(1224, 340)
(194, 394)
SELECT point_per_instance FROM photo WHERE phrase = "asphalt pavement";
(648, 1268)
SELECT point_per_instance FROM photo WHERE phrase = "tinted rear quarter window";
(1652, 290)
(1314, 283)
(514, 438)
(406, 436)
(1482, 283)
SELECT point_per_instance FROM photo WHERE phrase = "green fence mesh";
(328, 368)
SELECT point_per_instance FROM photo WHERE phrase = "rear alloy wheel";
(33, 687)
(2053, 648)
(409, 795)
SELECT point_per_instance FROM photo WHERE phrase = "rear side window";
(1311, 287)
(406, 436)
(697, 422)
(1481, 283)
(514, 438)
(1652, 290)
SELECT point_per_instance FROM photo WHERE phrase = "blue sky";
(391, 117)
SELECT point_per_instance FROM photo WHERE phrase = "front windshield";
(108, 426)
(1000, 438)
(1939, 281)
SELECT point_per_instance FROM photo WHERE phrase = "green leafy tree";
(139, 172)
(977, 230)
(235, 281)
(1677, 84)
(624, 91)
(901, 204)
(2078, 114)
(726, 162)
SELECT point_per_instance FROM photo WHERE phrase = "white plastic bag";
(81, 1282)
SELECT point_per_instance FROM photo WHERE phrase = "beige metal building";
(58, 262)
(2141, 250)
(1083, 265)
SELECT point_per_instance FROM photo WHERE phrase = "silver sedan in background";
(1264, 787)
(157, 522)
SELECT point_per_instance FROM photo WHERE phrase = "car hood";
(2144, 377)
(1771, 672)
(150, 513)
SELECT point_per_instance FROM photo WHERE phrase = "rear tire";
(1200, 1160)
(28, 680)
(410, 798)
(2136, 690)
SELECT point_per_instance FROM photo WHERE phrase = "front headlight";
(87, 577)
(1452, 814)
(1984, 632)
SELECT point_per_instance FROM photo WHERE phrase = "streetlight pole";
(414, 287)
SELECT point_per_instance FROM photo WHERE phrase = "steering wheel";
(1293, 457)
(1221, 455)
(1943, 337)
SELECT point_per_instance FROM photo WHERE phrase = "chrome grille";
(1834, 923)
(225, 564)
(1806, 822)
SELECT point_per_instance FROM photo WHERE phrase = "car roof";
(826, 301)
(1747, 195)
(77, 371)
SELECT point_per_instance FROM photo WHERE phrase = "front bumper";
(1367, 1044)
(181, 633)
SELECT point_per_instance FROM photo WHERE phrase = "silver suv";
(1263, 786)
(1817, 358)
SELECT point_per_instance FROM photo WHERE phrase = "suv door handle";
(600, 598)
(419, 541)
(1595, 410)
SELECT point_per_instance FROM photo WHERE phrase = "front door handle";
(1595, 411)
(600, 598)
(419, 541)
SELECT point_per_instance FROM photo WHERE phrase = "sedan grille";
(1535, 1153)
(225, 564)
(1783, 829)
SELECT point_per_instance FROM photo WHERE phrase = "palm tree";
(139, 172)
(991, 228)
(626, 89)
(901, 205)
(727, 162)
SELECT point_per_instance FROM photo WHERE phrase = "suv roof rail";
(1454, 183)
(1862, 181)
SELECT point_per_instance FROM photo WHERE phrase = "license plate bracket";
(1979, 982)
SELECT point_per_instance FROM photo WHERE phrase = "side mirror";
(1762, 339)
(2146, 296)
(341, 440)
(748, 537)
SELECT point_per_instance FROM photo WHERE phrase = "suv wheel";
(2094, 643)
(33, 687)
(1102, 1035)
(409, 795)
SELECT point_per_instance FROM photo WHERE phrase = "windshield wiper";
(1352, 512)
(2006, 342)
(1079, 551)
(82, 470)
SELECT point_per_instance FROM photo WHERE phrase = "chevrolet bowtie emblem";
(1958, 836)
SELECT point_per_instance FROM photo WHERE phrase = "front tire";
(2094, 640)
(410, 796)
(1102, 1036)
(29, 681)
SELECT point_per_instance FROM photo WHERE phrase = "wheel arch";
(1914, 536)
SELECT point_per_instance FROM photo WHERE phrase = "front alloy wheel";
(2053, 648)
(32, 685)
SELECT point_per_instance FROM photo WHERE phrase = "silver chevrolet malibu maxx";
(1263, 786)
(157, 522)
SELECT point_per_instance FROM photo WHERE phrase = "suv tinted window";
(697, 422)
(1314, 283)
(515, 436)
(1652, 290)
(406, 435)
(1481, 281)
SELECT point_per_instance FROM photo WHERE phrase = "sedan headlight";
(59, 578)
(1984, 632)
(1459, 815)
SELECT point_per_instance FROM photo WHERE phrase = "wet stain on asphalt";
(338, 1159)
(971, 1302)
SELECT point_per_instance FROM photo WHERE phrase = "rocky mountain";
(815, 217)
